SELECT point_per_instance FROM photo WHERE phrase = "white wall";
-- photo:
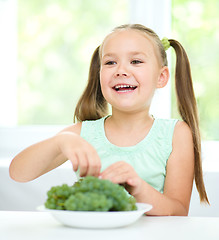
(211, 180)
(16, 196)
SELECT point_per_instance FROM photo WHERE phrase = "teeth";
(123, 86)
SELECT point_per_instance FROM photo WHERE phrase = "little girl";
(155, 159)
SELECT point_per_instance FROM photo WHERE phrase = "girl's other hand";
(123, 173)
(82, 155)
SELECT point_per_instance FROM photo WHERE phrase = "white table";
(41, 225)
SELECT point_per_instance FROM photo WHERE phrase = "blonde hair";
(92, 105)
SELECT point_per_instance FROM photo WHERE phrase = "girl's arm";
(180, 170)
(46, 155)
(179, 177)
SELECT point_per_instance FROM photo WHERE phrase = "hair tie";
(165, 43)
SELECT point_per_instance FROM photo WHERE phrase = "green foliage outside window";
(56, 40)
(195, 25)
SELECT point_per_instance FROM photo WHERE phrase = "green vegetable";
(57, 196)
(88, 201)
(90, 194)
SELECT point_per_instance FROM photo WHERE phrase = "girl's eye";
(136, 62)
(110, 63)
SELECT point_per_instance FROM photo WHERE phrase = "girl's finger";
(133, 181)
(83, 164)
(120, 178)
(113, 167)
(94, 165)
(98, 168)
(117, 176)
(75, 163)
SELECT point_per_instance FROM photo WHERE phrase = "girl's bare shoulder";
(76, 128)
(182, 132)
(183, 145)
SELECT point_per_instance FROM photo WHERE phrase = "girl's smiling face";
(130, 70)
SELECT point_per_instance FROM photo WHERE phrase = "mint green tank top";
(148, 157)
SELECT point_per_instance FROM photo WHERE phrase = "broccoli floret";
(91, 194)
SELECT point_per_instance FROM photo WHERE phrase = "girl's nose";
(121, 72)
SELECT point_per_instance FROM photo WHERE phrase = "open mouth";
(124, 88)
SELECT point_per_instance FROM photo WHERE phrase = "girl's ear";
(163, 77)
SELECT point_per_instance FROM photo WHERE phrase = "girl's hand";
(123, 173)
(80, 153)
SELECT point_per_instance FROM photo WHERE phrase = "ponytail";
(92, 105)
(188, 110)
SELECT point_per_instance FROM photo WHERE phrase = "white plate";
(90, 219)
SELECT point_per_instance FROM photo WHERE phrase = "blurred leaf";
(55, 42)
(195, 25)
